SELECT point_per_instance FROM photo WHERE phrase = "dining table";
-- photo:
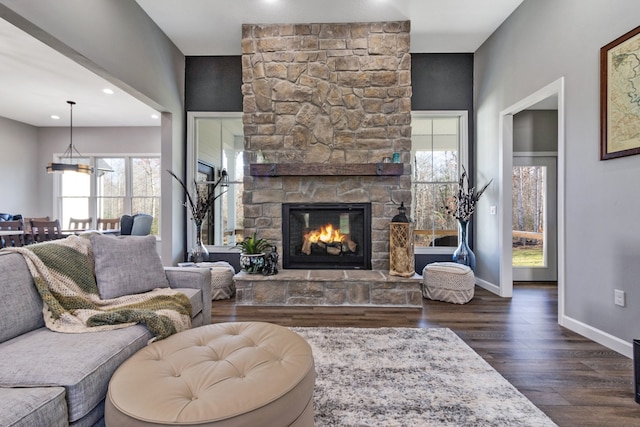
(81, 231)
(10, 232)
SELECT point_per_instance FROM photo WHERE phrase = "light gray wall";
(89, 141)
(25, 187)
(542, 41)
(119, 42)
(18, 184)
(535, 131)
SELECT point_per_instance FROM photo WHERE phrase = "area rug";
(410, 377)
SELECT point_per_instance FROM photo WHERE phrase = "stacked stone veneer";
(314, 287)
(326, 93)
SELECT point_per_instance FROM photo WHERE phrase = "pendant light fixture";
(67, 161)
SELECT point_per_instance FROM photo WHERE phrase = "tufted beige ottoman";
(226, 374)
(448, 281)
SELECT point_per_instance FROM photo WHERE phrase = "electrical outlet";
(492, 210)
(618, 297)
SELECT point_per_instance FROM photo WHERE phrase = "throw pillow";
(126, 224)
(127, 265)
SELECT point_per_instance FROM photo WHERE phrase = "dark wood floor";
(575, 381)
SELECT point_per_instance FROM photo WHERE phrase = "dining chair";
(7, 238)
(79, 224)
(108, 224)
(141, 224)
(43, 231)
(126, 223)
(28, 234)
(27, 222)
(136, 225)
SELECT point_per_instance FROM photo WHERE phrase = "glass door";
(534, 240)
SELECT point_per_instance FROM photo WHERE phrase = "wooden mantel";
(326, 169)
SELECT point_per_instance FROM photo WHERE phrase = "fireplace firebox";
(326, 236)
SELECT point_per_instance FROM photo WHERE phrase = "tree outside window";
(437, 152)
(145, 189)
(121, 185)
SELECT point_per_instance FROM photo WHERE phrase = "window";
(438, 150)
(231, 207)
(217, 140)
(121, 185)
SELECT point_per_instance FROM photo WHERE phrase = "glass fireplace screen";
(326, 236)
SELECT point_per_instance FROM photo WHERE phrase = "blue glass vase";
(463, 253)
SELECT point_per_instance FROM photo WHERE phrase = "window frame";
(93, 188)
(463, 156)
(192, 168)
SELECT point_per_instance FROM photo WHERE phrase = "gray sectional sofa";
(57, 379)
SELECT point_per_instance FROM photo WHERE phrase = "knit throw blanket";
(63, 274)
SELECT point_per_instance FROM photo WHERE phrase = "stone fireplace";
(324, 104)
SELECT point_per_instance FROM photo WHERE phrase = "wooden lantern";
(401, 257)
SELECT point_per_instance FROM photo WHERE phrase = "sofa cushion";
(127, 265)
(81, 363)
(20, 302)
(193, 278)
(195, 297)
(95, 418)
(28, 407)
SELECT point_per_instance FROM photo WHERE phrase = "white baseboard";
(611, 342)
(614, 343)
(488, 286)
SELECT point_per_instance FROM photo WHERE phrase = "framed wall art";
(620, 96)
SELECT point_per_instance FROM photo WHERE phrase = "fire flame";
(326, 234)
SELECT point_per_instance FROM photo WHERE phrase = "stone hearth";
(328, 287)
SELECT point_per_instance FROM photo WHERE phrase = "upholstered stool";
(222, 284)
(226, 374)
(448, 281)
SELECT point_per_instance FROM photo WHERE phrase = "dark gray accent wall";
(213, 83)
(440, 81)
(444, 81)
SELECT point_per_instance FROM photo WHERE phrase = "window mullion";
(93, 193)
(128, 173)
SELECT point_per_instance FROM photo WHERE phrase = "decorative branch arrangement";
(465, 200)
(204, 197)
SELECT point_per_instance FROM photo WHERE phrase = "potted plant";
(252, 257)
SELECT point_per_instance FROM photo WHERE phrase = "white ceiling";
(37, 81)
(213, 27)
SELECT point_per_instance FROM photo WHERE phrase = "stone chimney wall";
(326, 93)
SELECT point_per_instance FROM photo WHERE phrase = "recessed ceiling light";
(108, 91)
(155, 116)
(54, 117)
